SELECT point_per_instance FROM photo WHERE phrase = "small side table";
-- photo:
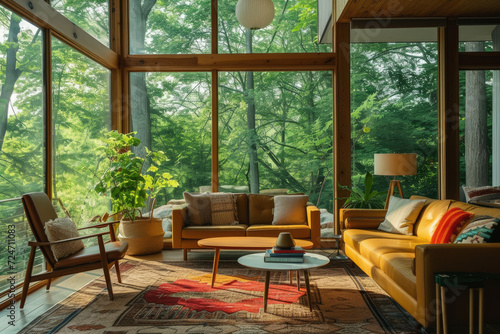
(472, 281)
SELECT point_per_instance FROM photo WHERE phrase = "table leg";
(298, 280)
(438, 310)
(216, 265)
(443, 310)
(471, 311)
(290, 276)
(481, 310)
(308, 288)
(266, 289)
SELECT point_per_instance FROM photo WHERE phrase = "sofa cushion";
(401, 215)
(398, 266)
(198, 208)
(260, 209)
(482, 229)
(223, 209)
(241, 208)
(267, 230)
(429, 217)
(372, 244)
(450, 225)
(290, 210)
(213, 231)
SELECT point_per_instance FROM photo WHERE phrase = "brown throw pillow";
(223, 209)
(260, 209)
(290, 209)
(198, 208)
(60, 229)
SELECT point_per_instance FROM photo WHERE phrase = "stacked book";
(294, 254)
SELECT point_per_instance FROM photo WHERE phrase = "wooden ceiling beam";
(232, 62)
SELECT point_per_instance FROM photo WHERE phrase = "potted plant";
(129, 189)
(367, 199)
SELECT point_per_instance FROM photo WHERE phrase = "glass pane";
(21, 138)
(394, 109)
(293, 29)
(479, 137)
(90, 15)
(275, 134)
(487, 35)
(171, 112)
(169, 27)
(81, 117)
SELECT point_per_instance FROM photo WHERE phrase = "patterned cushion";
(290, 209)
(60, 229)
(450, 225)
(223, 209)
(472, 192)
(481, 229)
(401, 215)
(198, 208)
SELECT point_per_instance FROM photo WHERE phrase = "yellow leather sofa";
(404, 266)
(255, 213)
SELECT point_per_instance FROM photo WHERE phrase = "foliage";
(129, 188)
(366, 198)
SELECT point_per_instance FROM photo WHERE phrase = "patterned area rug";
(176, 297)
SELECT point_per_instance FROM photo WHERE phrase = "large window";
(91, 15)
(81, 116)
(169, 27)
(394, 109)
(275, 133)
(21, 137)
(171, 112)
(293, 29)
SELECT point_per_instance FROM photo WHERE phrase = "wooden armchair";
(39, 210)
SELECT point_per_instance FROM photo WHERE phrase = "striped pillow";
(450, 225)
(482, 229)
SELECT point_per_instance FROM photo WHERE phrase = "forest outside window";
(81, 117)
(90, 15)
(394, 108)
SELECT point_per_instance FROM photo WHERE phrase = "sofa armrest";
(314, 222)
(361, 218)
(435, 258)
(179, 218)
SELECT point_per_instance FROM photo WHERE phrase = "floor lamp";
(395, 164)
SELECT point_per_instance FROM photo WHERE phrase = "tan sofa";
(404, 266)
(255, 213)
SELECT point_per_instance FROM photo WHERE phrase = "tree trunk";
(476, 131)
(139, 102)
(252, 150)
(11, 75)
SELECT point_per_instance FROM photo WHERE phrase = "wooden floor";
(42, 300)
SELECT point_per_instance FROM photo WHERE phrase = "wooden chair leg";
(27, 277)
(105, 267)
(118, 274)
(47, 287)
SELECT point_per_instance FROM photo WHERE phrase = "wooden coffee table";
(310, 261)
(243, 243)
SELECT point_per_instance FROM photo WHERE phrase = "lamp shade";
(395, 164)
(255, 14)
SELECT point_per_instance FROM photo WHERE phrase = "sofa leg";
(186, 254)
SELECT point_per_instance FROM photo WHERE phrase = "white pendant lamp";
(255, 14)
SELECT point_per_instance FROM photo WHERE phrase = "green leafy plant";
(367, 199)
(123, 179)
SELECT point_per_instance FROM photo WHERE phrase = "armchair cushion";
(60, 229)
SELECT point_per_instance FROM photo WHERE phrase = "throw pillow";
(450, 225)
(401, 215)
(198, 208)
(481, 229)
(223, 209)
(60, 229)
(290, 209)
(260, 209)
(471, 192)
